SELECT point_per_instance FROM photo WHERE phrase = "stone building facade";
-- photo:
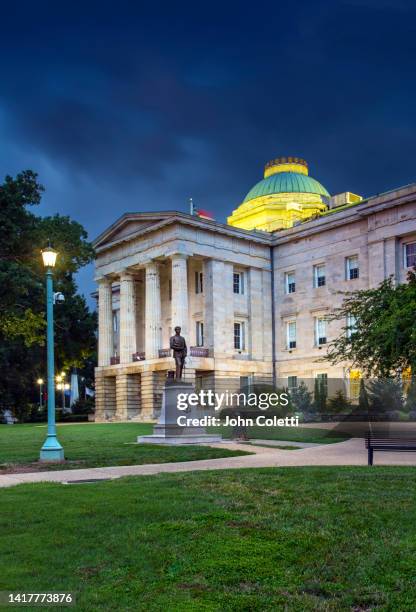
(250, 303)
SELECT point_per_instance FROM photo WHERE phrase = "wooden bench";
(388, 442)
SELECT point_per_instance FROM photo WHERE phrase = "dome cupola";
(286, 195)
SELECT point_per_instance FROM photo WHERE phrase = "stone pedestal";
(167, 431)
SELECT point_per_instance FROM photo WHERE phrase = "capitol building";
(252, 295)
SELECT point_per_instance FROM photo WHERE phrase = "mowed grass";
(96, 445)
(291, 434)
(253, 540)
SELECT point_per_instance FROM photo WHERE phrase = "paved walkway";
(283, 443)
(350, 452)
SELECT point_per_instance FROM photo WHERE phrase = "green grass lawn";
(96, 445)
(252, 540)
(291, 434)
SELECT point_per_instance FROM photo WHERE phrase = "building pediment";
(131, 225)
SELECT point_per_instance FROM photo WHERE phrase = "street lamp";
(40, 383)
(51, 449)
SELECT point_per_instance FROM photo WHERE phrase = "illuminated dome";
(286, 195)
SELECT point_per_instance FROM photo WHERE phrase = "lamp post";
(40, 383)
(51, 449)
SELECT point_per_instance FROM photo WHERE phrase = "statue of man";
(178, 346)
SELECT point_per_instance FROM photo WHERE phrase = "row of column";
(153, 315)
(218, 310)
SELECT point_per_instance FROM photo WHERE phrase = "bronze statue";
(178, 346)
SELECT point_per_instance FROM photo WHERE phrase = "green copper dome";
(286, 182)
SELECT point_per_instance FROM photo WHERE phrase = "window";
(352, 269)
(115, 321)
(246, 383)
(238, 282)
(410, 255)
(323, 382)
(292, 382)
(199, 282)
(170, 290)
(320, 331)
(290, 282)
(291, 335)
(199, 333)
(351, 325)
(239, 340)
(319, 275)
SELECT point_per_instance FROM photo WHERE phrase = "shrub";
(385, 395)
(84, 406)
(302, 398)
(339, 403)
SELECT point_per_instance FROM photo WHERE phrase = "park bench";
(379, 441)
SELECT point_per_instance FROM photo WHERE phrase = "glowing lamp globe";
(49, 257)
(40, 381)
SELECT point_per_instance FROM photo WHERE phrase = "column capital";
(126, 275)
(104, 281)
(152, 266)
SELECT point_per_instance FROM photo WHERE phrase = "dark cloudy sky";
(133, 106)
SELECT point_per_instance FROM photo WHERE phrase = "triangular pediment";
(130, 225)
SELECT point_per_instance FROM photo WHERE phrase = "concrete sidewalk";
(350, 452)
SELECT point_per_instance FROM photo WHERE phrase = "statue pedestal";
(167, 430)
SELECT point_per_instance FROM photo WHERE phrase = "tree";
(20, 286)
(320, 395)
(383, 338)
(301, 398)
(385, 395)
(22, 291)
(410, 405)
(339, 403)
(363, 403)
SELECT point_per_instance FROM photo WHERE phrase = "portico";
(186, 282)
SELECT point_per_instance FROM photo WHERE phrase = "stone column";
(105, 322)
(180, 310)
(153, 326)
(127, 317)
(218, 308)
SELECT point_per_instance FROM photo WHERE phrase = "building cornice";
(339, 218)
(330, 220)
(166, 218)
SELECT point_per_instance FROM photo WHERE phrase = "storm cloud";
(125, 107)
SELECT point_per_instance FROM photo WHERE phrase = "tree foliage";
(383, 339)
(320, 395)
(339, 403)
(363, 402)
(22, 290)
(302, 398)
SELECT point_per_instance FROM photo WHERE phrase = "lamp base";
(51, 450)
